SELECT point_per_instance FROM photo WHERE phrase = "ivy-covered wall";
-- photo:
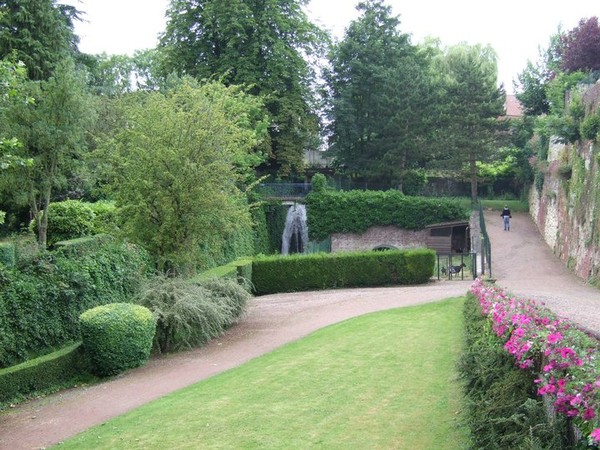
(566, 206)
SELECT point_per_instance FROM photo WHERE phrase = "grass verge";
(383, 380)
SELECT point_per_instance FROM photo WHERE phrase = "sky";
(516, 29)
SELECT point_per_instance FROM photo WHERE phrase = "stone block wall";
(374, 237)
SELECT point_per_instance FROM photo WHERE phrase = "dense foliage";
(355, 211)
(261, 44)
(337, 270)
(176, 165)
(474, 101)
(501, 407)
(382, 99)
(190, 313)
(39, 32)
(580, 47)
(41, 301)
(52, 132)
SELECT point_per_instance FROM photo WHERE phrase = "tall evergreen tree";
(473, 104)
(40, 32)
(381, 97)
(260, 43)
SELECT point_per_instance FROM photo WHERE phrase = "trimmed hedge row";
(45, 372)
(40, 304)
(355, 211)
(336, 270)
(239, 268)
(502, 409)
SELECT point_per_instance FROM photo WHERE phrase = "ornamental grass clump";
(189, 313)
(564, 358)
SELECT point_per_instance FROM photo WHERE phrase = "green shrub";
(40, 302)
(72, 219)
(191, 313)
(67, 220)
(50, 371)
(335, 270)
(318, 182)
(502, 409)
(355, 211)
(117, 337)
(590, 127)
(7, 253)
(105, 217)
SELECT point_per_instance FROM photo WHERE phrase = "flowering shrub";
(564, 357)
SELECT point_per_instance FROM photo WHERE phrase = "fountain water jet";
(295, 234)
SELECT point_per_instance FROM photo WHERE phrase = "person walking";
(506, 216)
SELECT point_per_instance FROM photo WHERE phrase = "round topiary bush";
(117, 336)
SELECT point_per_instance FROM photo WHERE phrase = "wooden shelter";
(449, 237)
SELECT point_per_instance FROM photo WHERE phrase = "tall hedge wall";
(40, 303)
(355, 211)
(336, 270)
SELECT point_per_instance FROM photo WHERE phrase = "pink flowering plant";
(564, 357)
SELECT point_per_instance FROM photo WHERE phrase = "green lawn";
(380, 381)
(497, 205)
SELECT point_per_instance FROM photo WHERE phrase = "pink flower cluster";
(565, 358)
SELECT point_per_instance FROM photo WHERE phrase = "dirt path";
(522, 262)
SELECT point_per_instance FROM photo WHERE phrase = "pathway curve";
(522, 262)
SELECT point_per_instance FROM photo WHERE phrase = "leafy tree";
(52, 133)
(258, 43)
(114, 75)
(580, 47)
(532, 83)
(474, 102)
(12, 79)
(40, 32)
(381, 97)
(176, 165)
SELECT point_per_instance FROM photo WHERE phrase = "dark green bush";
(117, 337)
(337, 270)
(72, 219)
(7, 253)
(191, 313)
(502, 410)
(355, 211)
(40, 303)
(46, 372)
(68, 220)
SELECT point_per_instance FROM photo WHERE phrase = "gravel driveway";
(521, 262)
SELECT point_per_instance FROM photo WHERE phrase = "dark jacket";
(505, 212)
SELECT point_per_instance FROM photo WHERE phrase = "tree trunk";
(43, 220)
(473, 173)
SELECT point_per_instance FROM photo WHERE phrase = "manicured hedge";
(40, 303)
(355, 211)
(336, 270)
(39, 374)
(117, 337)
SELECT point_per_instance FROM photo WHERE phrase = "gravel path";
(521, 262)
(524, 264)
